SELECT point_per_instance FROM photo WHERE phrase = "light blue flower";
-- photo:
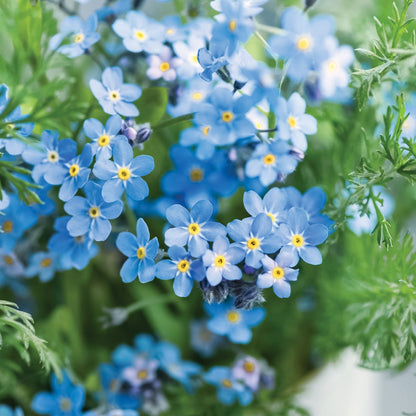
(44, 265)
(213, 59)
(114, 96)
(140, 252)
(192, 228)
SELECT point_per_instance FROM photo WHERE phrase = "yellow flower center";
(141, 374)
(8, 260)
(197, 96)
(292, 122)
(269, 159)
(141, 253)
(219, 261)
(53, 156)
(139, 34)
(278, 273)
(206, 130)
(114, 95)
(94, 212)
(297, 240)
(170, 31)
(249, 367)
(195, 59)
(272, 217)
(104, 140)
(79, 37)
(74, 170)
(233, 317)
(194, 228)
(46, 262)
(253, 243)
(10, 126)
(332, 66)
(183, 266)
(226, 383)
(124, 174)
(65, 404)
(196, 175)
(304, 43)
(7, 226)
(227, 116)
(232, 25)
(164, 66)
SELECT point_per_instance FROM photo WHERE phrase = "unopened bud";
(297, 154)
(309, 3)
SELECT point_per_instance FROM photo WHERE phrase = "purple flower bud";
(297, 154)
(309, 3)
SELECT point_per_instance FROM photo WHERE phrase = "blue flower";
(169, 357)
(203, 341)
(192, 228)
(228, 388)
(182, 269)
(8, 411)
(250, 7)
(221, 261)
(163, 65)
(273, 204)
(271, 162)
(102, 137)
(124, 173)
(74, 251)
(299, 238)
(91, 215)
(293, 123)
(234, 323)
(50, 153)
(66, 399)
(255, 237)
(43, 264)
(302, 41)
(140, 252)
(10, 264)
(213, 59)
(141, 372)
(279, 273)
(140, 33)
(71, 175)
(81, 34)
(174, 31)
(114, 96)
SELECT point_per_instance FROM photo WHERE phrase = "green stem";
(270, 29)
(174, 121)
(131, 217)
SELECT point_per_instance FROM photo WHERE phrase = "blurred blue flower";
(44, 265)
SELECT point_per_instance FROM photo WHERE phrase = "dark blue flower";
(140, 252)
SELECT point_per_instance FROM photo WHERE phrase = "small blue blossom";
(91, 215)
(174, 31)
(192, 228)
(293, 123)
(43, 265)
(182, 269)
(188, 54)
(234, 323)
(255, 237)
(140, 33)
(65, 400)
(213, 59)
(271, 162)
(279, 273)
(140, 252)
(8, 411)
(142, 371)
(163, 65)
(103, 137)
(221, 261)
(10, 264)
(124, 173)
(250, 7)
(248, 370)
(228, 388)
(203, 341)
(82, 36)
(299, 238)
(114, 96)
(71, 175)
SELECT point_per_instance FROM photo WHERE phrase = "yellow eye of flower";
(219, 261)
(272, 217)
(141, 253)
(94, 212)
(170, 31)
(278, 273)
(197, 96)
(227, 116)
(183, 266)
(164, 66)
(226, 383)
(269, 159)
(124, 174)
(297, 240)
(139, 34)
(79, 37)
(253, 243)
(292, 122)
(232, 25)
(196, 175)
(46, 262)
(194, 229)
(7, 226)
(8, 260)
(233, 317)
(141, 374)
(53, 156)
(114, 95)
(249, 367)
(65, 404)
(104, 140)
(195, 59)
(206, 130)
(304, 43)
(332, 66)
(74, 170)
